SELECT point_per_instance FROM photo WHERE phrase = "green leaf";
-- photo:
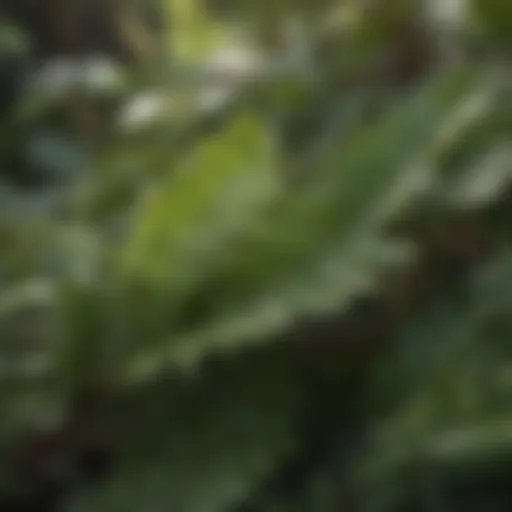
(439, 400)
(317, 248)
(184, 227)
(211, 448)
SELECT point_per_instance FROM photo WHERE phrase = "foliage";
(188, 256)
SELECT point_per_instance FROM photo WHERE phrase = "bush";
(269, 278)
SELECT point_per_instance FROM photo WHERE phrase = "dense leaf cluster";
(271, 273)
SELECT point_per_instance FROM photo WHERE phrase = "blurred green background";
(255, 256)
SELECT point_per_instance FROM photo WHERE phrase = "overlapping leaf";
(315, 248)
(444, 396)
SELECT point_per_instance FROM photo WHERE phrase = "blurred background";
(255, 256)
